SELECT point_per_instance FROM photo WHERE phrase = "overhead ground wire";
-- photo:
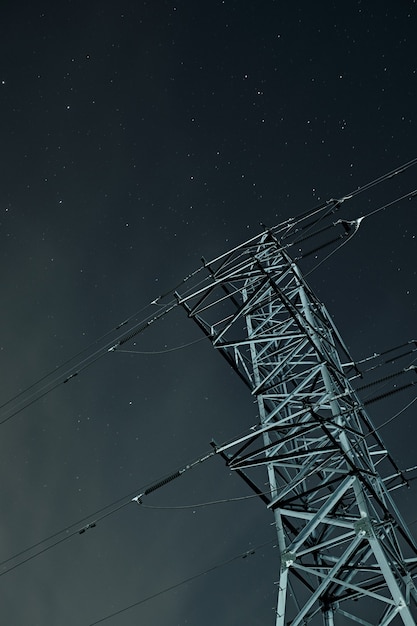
(398, 170)
(334, 203)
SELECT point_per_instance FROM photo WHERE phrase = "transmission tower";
(345, 551)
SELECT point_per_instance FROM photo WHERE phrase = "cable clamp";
(91, 525)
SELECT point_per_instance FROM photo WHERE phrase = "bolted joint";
(363, 528)
(287, 559)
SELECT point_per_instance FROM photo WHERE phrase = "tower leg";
(328, 616)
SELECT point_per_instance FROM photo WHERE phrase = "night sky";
(137, 137)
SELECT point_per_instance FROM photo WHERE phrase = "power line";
(68, 536)
(200, 505)
(120, 503)
(398, 170)
(123, 338)
(174, 349)
(326, 258)
(409, 195)
(67, 361)
(73, 371)
(333, 204)
(96, 517)
(394, 417)
(356, 223)
(79, 367)
(217, 566)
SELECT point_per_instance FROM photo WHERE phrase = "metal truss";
(345, 552)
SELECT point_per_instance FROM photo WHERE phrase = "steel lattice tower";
(344, 548)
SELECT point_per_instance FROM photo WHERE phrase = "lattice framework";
(344, 548)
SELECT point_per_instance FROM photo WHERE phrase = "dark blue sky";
(137, 137)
